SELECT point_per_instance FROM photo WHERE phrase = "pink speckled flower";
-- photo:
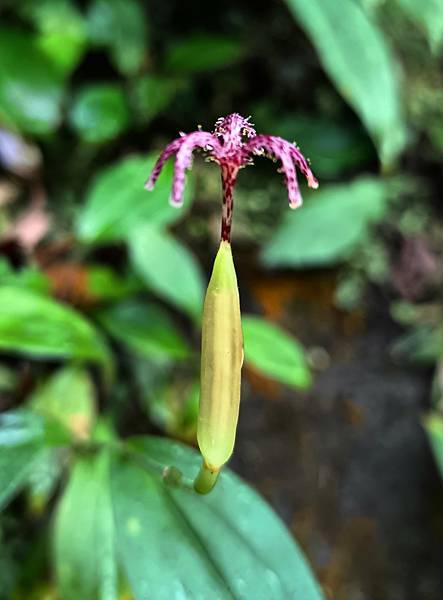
(232, 145)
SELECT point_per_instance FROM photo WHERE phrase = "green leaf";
(30, 278)
(433, 424)
(428, 14)
(84, 544)
(168, 269)
(423, 344)
(68, 397)
(202, 52)
(117, 203)
(176, 543)
(22, 440)
(151, 94)
(275, 353)
(105, 285)
(331, 223)
(120, 25)
(62, 31)
(99, 112)
(43, 479)
(145, 328)
(30, 86)
(355, 55)
(41, 327)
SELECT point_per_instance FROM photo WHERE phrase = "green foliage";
(355, 55)
(23, 438)
(422, 344)
(309, 237)
(29, 278)
(170, 539)
(67, 398)
(116, 203)
(202, 52)
(274, 353)
(40, 327)
(43, 479)
(337, 147)
(30, 86)
(151, 94)
(429, 14)
(105, 285)
(93, 90)
(20, 442)
(225, 542)
(84, 546)
(120, 26)
(62, 31)
(433, 424)
(99, 112)
(168, 269)
(144, 328)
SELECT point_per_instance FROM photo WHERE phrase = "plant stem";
(206, 479)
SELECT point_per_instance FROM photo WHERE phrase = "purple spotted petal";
(197, 139)
(289, 155)
(170, 149)
(231, 145)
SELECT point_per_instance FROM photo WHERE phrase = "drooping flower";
(232, 145)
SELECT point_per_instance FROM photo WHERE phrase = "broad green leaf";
(355, 55)
(433, 424)
(62, 31)
(84, 544)
(99, 112)
(151, 94)
(23, 438)
(105, 285)
(68, 397)
(274, 352)
(30, 278)
(30, 86)
(120, 25)
(168, 268)
(328, 227)
(174, 543)
(41, 327)
(202, 52)
(116, 203)
(428, 14)
(145, 328)
(43, 479)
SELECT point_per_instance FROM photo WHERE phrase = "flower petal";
(197, 139)
(183, 147)
(170, 149)
(277, 148)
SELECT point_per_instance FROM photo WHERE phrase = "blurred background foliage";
(101, 288)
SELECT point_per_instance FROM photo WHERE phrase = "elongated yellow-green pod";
(221, 362)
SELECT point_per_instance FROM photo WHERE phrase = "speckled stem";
(229, 177)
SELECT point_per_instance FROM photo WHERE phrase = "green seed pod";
(221, 363)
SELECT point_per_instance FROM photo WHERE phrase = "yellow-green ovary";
(221, 362)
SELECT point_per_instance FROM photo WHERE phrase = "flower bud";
(221, 362)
